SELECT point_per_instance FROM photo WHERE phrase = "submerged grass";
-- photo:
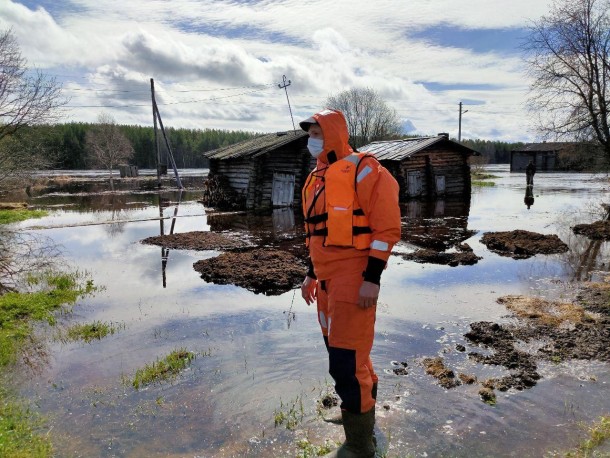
(89, 332)
(18, 431)
(51, 292)
(599, 433)
(482, 183)
(289, 415)
(17, 215)
(17, 310)
(163, 369)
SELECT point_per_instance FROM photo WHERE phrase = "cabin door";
(414, 183)
(282, 194)
(440, 184)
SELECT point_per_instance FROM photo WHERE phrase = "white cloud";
(114, 47)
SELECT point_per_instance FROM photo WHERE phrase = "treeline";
(66, 145)
(493, 152)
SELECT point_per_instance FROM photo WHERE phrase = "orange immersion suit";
(352, 221)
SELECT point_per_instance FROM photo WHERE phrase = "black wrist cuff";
(310, 272)
(373, 271)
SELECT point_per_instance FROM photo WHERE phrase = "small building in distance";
(267, 171)
(426, 167)
(543, 155)
(557, 156)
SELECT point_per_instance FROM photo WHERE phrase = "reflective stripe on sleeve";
(363, 173)
(379, 245)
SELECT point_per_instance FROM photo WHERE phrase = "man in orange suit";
(352, 221)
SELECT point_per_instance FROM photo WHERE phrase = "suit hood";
(336, 136)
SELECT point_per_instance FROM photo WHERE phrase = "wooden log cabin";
(266, 171)
(425, 167)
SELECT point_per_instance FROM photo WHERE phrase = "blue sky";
(217, 63)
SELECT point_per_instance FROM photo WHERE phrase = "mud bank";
(599, 230)
(464, 256)
(262, 270)
(558, 331)
(520, 244)
(197, 240)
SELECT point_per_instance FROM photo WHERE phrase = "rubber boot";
(337, 418)
(358, 436)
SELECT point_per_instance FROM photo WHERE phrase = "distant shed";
(266, 171)
(426, 167)
(558, 156)
(544, 155)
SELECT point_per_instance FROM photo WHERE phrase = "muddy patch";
(267, 271)
(464, 256)
(599, 230)
(197, 240)
(542, 331)
(520, 244)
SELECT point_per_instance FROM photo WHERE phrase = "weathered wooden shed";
(425, 167)
(543, 155)
(266, 171)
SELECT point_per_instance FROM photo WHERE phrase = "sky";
(219, 63)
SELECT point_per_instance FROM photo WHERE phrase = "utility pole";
(460, 123)
(284, 86)
(154, 113)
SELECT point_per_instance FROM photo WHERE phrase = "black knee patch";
(342, 368)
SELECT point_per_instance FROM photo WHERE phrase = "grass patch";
(482, 176)
(482, 183)
(89, 332)
(17, 215)
(17, 309)
(599, 433)
(164, 369)
(308, 450)
(290, 414)
(18, 435)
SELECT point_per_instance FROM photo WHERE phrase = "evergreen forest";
(66, 145)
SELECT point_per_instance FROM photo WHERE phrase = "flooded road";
(261, 355)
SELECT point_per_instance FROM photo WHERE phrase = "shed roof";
(546, 147)
(255, 146)
(396, 150)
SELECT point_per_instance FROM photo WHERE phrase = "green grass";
(290, 414)
(14, 216)
(482, 176)
(164, 369)
(18, 309)
(482, 183)
(89, 332)
(599, 433)
(19, 436)
(18, 431)
(309, 450)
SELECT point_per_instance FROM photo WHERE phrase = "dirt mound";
(579, 330)
(599, 230)
(452, 259)
(196, 240)
(267, 271)
(520, 244)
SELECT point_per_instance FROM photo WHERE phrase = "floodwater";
(261, 355)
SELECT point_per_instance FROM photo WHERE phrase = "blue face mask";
(315, 146)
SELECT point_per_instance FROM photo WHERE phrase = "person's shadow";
(529, 196)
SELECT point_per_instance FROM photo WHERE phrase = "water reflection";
(260, 357)
(438, 224)
(529, 196)
(164, 203)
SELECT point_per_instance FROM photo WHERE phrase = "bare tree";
(368, 116)
(26, 98)
(108, 147)
(568, 53)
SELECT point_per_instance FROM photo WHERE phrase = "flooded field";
(259, 357)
